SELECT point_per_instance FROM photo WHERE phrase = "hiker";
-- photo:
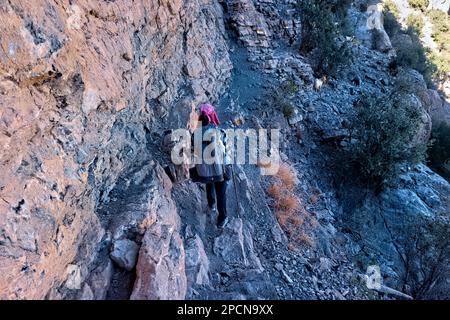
(214, 171)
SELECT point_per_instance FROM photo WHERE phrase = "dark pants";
(216, 193)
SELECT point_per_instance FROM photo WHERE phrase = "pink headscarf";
(209, 111)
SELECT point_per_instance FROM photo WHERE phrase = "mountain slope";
(91, 206)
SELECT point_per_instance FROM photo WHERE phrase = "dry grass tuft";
(275, 190)
(297, 221)
(286, 176)
(303, 239)
(289, 211)
(288, 203)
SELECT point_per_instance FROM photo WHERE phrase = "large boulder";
(413, 103)
(160, 270)
(100, 280)
(385, 223)
(439, 108)
(197, 262)
(369, 28)
(412, 92)
(412, 81)
(381, 40)
(250, 24)
(235, 246)
(125, 253)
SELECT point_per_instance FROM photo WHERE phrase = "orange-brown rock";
(80, 85)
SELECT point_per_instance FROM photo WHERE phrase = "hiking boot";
(221, 222)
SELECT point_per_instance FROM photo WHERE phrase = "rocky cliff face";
(81, 85)
(87, 208)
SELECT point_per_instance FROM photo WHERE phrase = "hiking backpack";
(212, 168)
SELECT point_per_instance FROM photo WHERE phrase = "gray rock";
(366, 24)
(74, 277)
(439, 108)
(429, 196)
(277, 233)
(87, 293)
(286, 277)
(125, 253)
(295, 118)
(383, 221)
(100, 280)
(405, 201)
(279, 266)
(160, 270)
(235, 246)
(197, 262)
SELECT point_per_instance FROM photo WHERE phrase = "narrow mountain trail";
(234, 255)
(93, 207)
(250, 258)
(237, 267)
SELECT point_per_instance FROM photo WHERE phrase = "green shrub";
(282, 96)
(434, 67)
(376, 38)
(440, 20)
(422, 5)
(390, 24)
(439, 153)
(440, 64)
(289, 87)
(390, 18)
(287, 109)
(391, 6)
(324, 21)
(425, 245)
(442, 40)
(411, 54)
(441, 35)
(415, 23)
(383, 129)
(441, 29)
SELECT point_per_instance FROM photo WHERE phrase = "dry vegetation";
(289, 209)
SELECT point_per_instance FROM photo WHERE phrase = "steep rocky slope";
(87, 208)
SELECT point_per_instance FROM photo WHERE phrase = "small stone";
(295, 118)
(73, 277)
(286, 277)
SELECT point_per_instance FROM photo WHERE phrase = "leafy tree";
(415, 23)
(383, 128)
(422, 5)
(324, 24)
(390, 18)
